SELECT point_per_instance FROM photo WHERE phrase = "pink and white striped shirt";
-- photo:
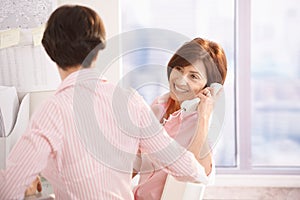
(84, 141)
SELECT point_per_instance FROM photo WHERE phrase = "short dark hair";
(211, 53)
(73, 36)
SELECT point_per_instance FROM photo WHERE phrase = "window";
(275, 83)
(257, 117)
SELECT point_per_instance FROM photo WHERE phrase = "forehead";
(198, 66)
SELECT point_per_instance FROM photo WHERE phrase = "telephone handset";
(191, 105)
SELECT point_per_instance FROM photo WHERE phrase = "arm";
(30, 154)
(27, 159)
(199, 146)
(165, 152)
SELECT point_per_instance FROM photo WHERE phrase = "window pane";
(211, 19)
(275, 66)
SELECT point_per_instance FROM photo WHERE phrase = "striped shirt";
(84, 141)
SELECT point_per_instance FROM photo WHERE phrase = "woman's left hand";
(36, 185)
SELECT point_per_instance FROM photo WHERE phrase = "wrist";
(203, 116)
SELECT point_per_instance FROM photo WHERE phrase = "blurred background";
(257, 153)
(273, 60)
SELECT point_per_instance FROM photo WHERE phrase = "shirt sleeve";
(165, 152)
(30, 154)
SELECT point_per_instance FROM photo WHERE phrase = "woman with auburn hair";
(191, 71)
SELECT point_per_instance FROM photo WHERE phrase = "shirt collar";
(80, 76)
(163, 98)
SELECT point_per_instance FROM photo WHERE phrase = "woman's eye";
(195, 76)
(178, 68)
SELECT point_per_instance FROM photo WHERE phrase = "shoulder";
(161, 100)
(46, 110)
(160, 105)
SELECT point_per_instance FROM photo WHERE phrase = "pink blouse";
(181, 126)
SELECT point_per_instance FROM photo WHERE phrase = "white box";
(177, 190)
(7, 143)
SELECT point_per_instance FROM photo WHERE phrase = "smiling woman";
(197, 64)
(187, 81)
(194, 65)
(213, 19)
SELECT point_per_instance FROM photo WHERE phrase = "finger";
(39, 187)
(201, 95)
(30, 191)
(35, 182)
(36, 185)
(209, 92)
(206, 91)
(39, 184)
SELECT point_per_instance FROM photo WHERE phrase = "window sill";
(232, 180)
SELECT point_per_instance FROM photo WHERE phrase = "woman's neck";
(173, 107)
(66, 72)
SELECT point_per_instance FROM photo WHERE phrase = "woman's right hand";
(208, 96)
(207, 100)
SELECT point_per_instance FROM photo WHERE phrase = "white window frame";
(242, 86)
(243, 105)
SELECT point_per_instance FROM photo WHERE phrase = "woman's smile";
(180, 88)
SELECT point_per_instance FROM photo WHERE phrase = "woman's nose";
(182, 80)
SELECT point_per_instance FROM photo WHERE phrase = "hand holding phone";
(191, 105)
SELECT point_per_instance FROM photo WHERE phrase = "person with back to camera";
(63, 136)
(192, 72)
